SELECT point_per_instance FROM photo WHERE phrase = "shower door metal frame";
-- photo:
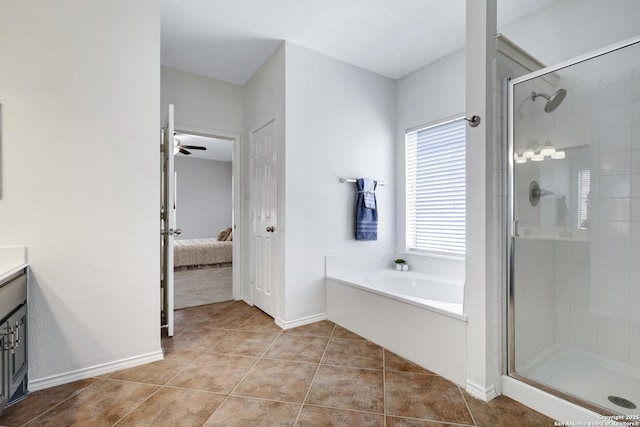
(511, 226)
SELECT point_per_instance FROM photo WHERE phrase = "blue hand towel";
(366, 226)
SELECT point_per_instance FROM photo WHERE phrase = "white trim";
(105, 368)
(301, 321)
(438, 122)
(485, 394)
(201, 131)
(439, 255)
(514, 52)
(577, 60)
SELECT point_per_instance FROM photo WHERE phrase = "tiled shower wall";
(584, 291)
(598, 283)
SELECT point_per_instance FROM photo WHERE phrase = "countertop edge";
(7, 270)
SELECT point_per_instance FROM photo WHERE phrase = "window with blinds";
(435, 168)
(584, 186)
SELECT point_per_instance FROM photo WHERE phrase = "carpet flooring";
(200, 286)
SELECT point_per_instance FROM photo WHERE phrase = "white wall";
(79, 92)
(204, 197)
(201, 102)
(340, 123)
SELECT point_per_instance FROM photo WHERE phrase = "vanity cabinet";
(13, 338)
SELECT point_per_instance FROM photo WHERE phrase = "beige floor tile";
(214, 372)
(237, 308)
(245, 343)
(40, 401)
(260, 322)
(340, 332)
(222, 320)
(280, 380)
(323, 328)
(347, 388)
(159, 372)
(243, 412)
(411, 422)
(233, 347)
(101, 404)
(505, 412)
(354, 353)
(174, 407)
(427, 397)
(196, 339)
(314, 416)
(298, 347)
(185, 319)
(393, 362)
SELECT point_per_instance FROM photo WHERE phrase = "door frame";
(237, 267)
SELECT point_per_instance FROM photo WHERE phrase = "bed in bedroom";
(201, 252)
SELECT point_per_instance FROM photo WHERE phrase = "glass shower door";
(574, 279)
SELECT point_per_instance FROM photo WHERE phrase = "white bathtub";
(413, 315)
(412, 288)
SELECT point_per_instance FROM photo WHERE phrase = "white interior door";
(168, 215)
(263, 213)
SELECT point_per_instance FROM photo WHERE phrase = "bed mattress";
(193, 252)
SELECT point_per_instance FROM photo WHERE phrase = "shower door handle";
(515, 230)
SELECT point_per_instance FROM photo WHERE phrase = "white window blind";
(435, 168)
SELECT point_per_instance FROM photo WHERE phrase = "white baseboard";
(81, 374)
(485, 394)
(301, 321)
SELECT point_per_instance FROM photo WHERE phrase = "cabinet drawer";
(12, 294)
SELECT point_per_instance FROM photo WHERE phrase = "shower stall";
(574, 230)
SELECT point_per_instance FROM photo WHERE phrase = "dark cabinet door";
(18, 354)
(4, 377)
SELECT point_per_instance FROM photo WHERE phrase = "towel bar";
(343, 180)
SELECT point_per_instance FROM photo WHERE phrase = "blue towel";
(366, 218)
(369, 191)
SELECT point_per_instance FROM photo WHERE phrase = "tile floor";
(230, 365)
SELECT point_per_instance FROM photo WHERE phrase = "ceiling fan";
(184, 149)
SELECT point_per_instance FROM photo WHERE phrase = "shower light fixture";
(548, 150)
(519, 159)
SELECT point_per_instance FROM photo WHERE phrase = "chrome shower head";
(553, 101)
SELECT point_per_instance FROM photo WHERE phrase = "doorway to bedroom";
(203, 251)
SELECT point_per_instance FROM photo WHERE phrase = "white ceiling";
(230, 39)
(216, 149)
